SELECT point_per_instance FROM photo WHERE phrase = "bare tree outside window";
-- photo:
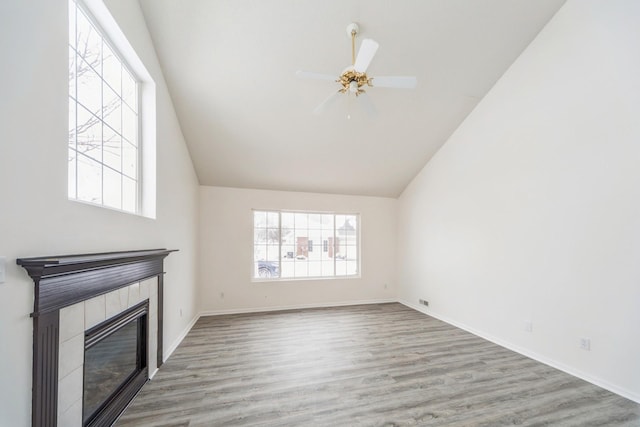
(103, 119)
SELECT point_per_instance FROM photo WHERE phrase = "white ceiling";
(230, 67)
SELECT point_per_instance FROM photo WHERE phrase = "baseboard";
(152, 374)
(178, 340)
(530, 354)
(295, 307)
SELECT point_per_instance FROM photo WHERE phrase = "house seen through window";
(104, 149)
(305, 244)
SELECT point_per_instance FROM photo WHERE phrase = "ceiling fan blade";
(399, 82)
(367, 105)
(318, 76)
(327, 102)
(366, 53)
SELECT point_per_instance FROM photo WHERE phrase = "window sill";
(304, 279)
(110, 208)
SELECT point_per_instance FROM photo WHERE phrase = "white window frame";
(105, 24)
(254, 272)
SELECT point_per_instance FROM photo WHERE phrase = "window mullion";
(279, 244)
(75, 77)
(335, 266)
(102, 121)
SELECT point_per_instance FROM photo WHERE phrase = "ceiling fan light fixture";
(354, 78)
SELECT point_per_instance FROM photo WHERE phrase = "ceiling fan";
(354, 79)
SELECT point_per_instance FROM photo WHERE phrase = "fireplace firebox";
(115, 364)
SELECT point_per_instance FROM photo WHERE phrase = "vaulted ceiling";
(230, 67)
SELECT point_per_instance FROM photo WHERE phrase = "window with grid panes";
(104, 151)
(289, 245)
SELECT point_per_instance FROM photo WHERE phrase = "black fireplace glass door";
(108, 364)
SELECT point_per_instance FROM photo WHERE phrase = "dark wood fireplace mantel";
(61, 281)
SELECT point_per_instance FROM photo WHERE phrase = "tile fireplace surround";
(72, 295)
(75, 320)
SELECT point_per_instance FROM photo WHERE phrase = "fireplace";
(115, 364)
(97, 333)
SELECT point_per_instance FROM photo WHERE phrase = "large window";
(305, 244)
(104, 149)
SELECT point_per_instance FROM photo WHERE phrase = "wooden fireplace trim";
(61, 281)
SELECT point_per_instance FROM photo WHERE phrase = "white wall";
(226, 251)
(531, 211)
(35, 216)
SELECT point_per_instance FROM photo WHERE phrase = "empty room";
(319, 213)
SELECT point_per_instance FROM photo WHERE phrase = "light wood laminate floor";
(368, 365)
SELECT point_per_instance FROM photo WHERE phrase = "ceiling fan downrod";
(352, 30)
(351, 80)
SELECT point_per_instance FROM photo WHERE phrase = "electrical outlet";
(424, 302)
(528, 326)
(585, 344)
